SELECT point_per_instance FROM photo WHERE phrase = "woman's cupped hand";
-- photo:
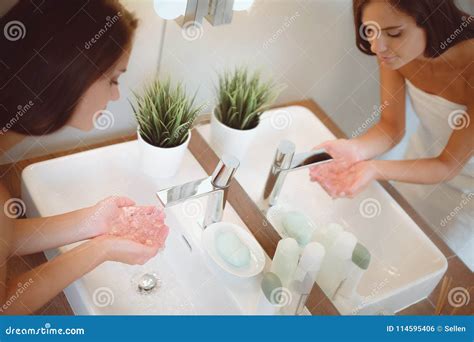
(347, 175)
(127, 233)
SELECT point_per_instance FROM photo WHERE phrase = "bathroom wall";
(308, 45)
(142, 66)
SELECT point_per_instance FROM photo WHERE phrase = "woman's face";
(99, 94)
(394, 36)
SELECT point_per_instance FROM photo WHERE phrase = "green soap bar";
(298, 227)
(232, 249)
(361, 256)
(271, 284)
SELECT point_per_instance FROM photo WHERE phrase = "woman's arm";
(42, 233)
(351, 181)
(447, 165)
(5, 240)
(30, 291)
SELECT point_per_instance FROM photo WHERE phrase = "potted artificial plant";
(242, 97)
(165, 115)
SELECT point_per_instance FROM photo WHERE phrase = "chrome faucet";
(216, 186)
(286, 161)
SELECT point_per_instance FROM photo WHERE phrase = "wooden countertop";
(318, 303)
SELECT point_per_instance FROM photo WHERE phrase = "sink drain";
(148, 282)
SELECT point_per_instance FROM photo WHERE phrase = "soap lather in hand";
(144, 225)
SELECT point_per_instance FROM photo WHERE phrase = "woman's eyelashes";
(394, 34)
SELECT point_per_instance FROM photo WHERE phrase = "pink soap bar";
(141, 224)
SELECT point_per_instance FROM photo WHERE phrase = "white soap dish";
(257, 255)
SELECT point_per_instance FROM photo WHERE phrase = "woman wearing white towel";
(425, 49)
(64, 67)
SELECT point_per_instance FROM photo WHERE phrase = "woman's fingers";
(339, 179)
(125, 250)
(327, 186)
(158, 211)
(333, 190)
(123, 202)
(322, 145)
(151, 251)
(338, 186)
(331, 146)
(139, 253)
(162, 215)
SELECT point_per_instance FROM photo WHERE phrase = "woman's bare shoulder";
(461, 58)
(461, 55)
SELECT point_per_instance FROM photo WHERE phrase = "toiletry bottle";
(298, 226)
(360, 263)
(304, 278)
(336, 264)
(268, 302)
(328, 234)
(285, 260)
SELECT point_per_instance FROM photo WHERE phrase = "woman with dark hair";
(425, 49)
(59, 65)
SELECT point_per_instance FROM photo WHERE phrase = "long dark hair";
(444, 23)
(51, 52)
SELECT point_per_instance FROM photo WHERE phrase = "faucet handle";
(284, 155)
(225, 170)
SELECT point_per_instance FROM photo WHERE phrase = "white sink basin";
(190, 281)
(405, 265)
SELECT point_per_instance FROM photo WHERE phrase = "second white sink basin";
(405, 265)
(191, 283)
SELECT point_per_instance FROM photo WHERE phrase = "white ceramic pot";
(231, 141)
(161, 162)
